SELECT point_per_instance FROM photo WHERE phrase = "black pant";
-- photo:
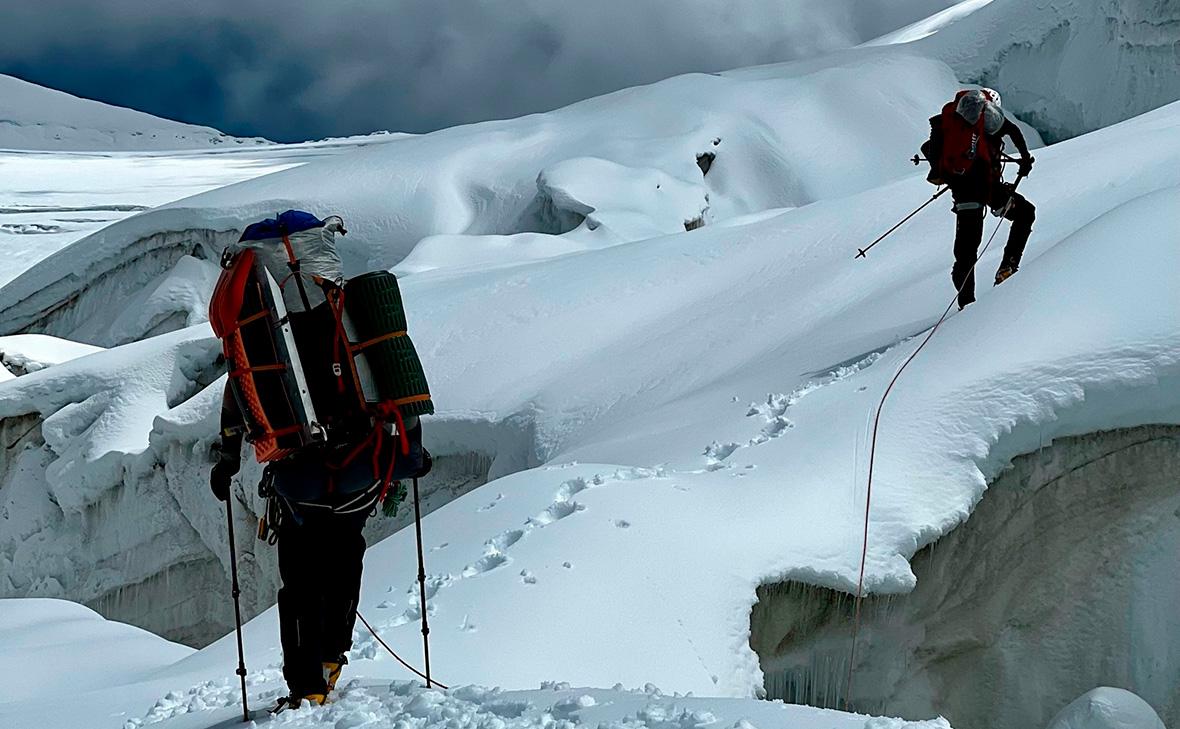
(971, 201)
(320, 564)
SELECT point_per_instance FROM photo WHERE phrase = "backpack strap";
(293, 264)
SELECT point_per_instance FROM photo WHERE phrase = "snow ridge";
(34, 117)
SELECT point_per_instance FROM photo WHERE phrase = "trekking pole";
(862, 251)
(919, 159)
(422, 585)
(236, 592)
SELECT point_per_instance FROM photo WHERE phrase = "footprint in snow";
(485, 564)
(556, 511)
(622, 523)
(775, 408)
(503, 541)
(492, 504)
(774, 412)
(528, 577)
(716, 453)
(494, 553)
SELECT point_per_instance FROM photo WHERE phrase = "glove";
(1025, 167)
(219, 478)
(427, 464)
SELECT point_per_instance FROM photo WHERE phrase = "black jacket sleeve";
(1013, 132)
(932, 150)
(228, 448)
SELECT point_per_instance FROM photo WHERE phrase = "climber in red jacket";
(966, 152)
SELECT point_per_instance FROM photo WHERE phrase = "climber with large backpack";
(325, 384)
(966, 152)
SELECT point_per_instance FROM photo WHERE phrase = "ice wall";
(104, 497)
(1063, 579)
(1068, 67)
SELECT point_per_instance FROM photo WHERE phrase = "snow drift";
(1107, 708)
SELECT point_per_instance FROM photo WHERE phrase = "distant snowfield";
(49, 200)
(678, 416)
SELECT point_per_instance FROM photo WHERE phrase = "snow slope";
(35, 117)
(698, 466)
(686, 414)
(53, 647)
(774, 131)
(71, 649)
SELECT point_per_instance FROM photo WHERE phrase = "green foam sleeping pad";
(374, 306)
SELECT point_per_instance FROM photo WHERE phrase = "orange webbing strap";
(290, 250)
(284, 431)
(354, 348)
(336, 304)
(259, 368)
(253, 318)
(238, 324)
(341, 345)
(235, 351)
(408, 400)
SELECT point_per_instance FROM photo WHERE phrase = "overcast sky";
(299, 69)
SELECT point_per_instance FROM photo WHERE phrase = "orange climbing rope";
(873, 444)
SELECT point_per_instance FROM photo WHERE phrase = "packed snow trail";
(404, 704)
(78, 688)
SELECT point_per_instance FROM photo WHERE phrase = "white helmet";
(982, 102)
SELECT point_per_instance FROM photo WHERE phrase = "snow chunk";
(24, 353)
(1107, 708)
(98, 410)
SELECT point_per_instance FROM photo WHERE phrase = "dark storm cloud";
(294, 70)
